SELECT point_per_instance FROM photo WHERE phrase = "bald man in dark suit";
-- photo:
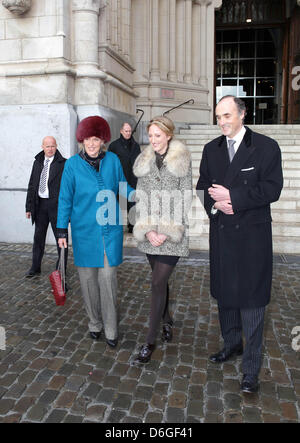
(42, 199)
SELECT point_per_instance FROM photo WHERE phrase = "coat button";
(221, 226)
(237, 226)
(245, 182)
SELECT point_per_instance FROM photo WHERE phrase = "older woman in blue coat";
(88, 199)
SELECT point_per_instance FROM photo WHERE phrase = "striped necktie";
(43, 179)
(231, 150)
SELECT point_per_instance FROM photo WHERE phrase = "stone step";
(290, 157)
(281, 245)
(286, 229)
(286, 245)
(291, 173)
(291, 183)
(287, 165)
(291, 164)
(285, 216)
(196, 134)
(259, 128)
(285, 145)
(290, 194)
(284, 205)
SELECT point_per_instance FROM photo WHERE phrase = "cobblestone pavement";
(51, 371)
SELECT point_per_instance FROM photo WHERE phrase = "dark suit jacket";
(241, 244)
(55, 173)
(127, 151)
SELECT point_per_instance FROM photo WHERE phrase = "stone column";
(125, 33)
(172, 76)
(89, 84)
(155, 75)
(164, 39)
(203, 40)
(196, 55)
(180, 39)
(188, 42)
(86, 31)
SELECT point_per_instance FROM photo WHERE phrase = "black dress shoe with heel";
(112, 343)
(225, 355)
(167, 333)
(145, 353)
(95, 335)
(249, 384)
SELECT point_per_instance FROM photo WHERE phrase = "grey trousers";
(250, 322)
(99, 290)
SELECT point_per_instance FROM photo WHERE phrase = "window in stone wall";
(246, 67)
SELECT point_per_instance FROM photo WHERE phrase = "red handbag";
(58, 281)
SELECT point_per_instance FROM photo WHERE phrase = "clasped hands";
(156, 239)
(222, 199)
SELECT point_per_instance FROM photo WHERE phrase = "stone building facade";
(62, 60)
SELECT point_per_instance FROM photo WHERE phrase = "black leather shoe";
(112, 343)
(249, 384)
(31, 273)
(145, 353)
(224, 355)
(95, 335)
(167, 333)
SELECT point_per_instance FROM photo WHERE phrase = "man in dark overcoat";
(240, 174)
(42, 199)
(127, 149)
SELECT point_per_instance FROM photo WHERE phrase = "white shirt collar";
(238, 138)
(49, 158)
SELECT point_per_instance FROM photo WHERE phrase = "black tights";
(161, 273)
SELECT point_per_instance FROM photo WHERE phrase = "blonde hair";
(164, 123)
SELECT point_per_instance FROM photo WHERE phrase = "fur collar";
(177, 160)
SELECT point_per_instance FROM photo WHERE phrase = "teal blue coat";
(88, 199)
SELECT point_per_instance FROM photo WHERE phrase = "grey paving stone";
(51, 371)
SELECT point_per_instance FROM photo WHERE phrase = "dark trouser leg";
(131, 215)
(235, 322)
(253, 326)
(161, 273)
(231, 327)
(40, 232)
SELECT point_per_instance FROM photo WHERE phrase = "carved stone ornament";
(17, 7)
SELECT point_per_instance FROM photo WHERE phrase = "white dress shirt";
(237, 138)
(46, 193)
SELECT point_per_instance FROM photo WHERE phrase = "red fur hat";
(94, 126)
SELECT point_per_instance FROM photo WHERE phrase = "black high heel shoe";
(167, 333)
(145, 353)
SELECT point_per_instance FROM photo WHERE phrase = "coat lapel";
(224, 157)
(244, 151)
(54, 167)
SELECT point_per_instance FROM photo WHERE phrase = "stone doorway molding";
(17, 7)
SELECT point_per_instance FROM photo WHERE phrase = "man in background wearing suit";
(127, 149)
(42, 199)
(240, 174)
